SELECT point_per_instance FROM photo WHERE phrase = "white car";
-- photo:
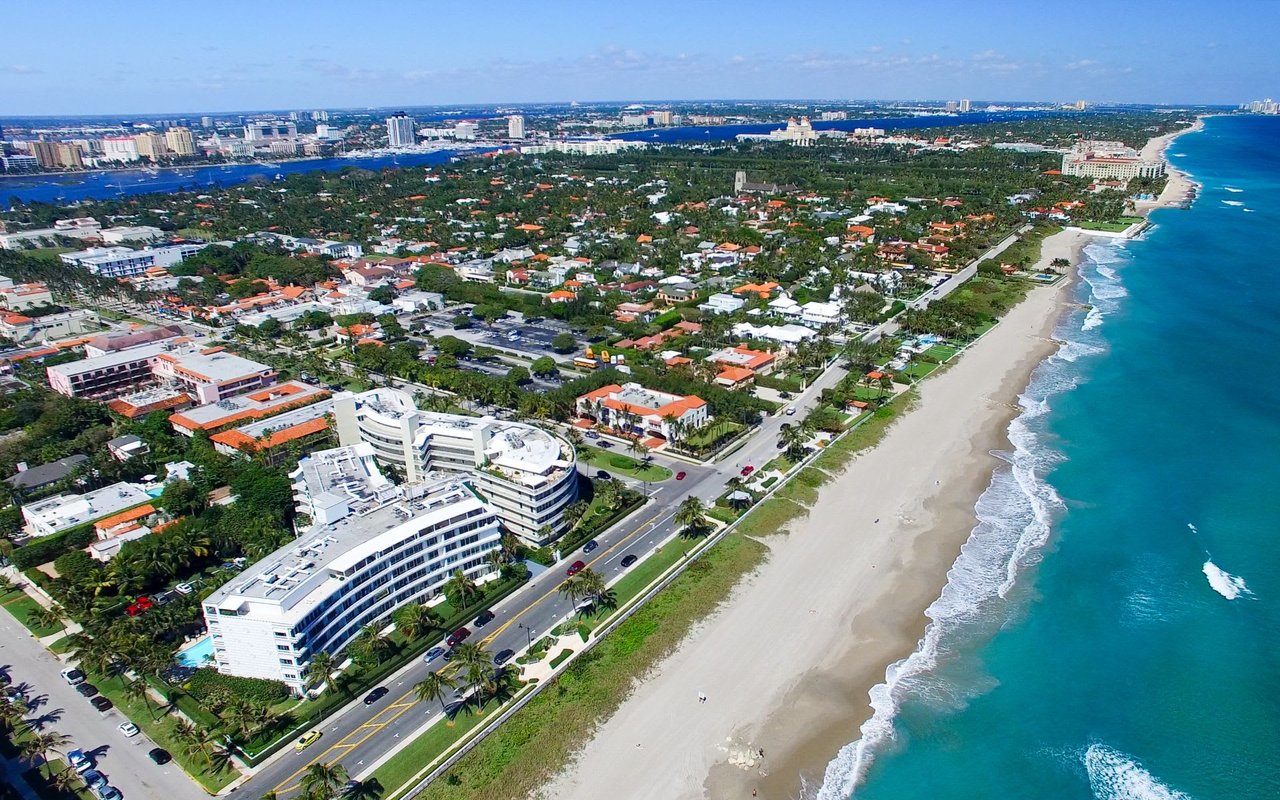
(184, 588)
(128, 729)
(73, 676)
(791, 411)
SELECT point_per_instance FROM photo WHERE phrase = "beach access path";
(787, 663)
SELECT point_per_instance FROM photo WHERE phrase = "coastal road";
(58, 707)
(360, 735)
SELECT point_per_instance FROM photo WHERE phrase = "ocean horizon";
(1109, 629)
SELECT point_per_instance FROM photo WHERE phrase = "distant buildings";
(270, 129)
(125, 262)
(400, 130)
(207, 375)
(151, 146)
(119, 148)
(582, 147)
(79, 228)
(180, 141)
(515, 126)
(63, 512)
(965, 106)
(1267, 106)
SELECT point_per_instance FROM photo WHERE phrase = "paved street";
(123, 760)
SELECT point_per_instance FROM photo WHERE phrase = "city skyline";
(1188, 54)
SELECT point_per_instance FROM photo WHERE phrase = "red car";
(747, 470)
(144, 603)
(131, 610)
(679, 476)
(576, 567)
(458, 637)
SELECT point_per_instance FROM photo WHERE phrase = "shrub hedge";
(209, 686)
(47, 548)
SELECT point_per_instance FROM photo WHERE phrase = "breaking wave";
(1015, 516)
(1116, 776)
(1223, 582)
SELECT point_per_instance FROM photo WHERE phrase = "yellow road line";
(287, 786)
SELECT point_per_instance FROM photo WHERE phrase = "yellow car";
(307, 739)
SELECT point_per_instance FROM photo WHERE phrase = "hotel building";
(1108, 161)
(372, 547)
(527, 474)
(400, 131)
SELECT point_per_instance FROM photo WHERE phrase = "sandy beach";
(1179, 188)
(788, 662)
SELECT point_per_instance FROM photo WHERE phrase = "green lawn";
(918, 369)
(47, 253)
(624, 464)
(22, 607)
(1116, 226)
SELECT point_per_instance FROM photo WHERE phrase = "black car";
(87, 689)
(629, 560)
(449, 654)
(484, 619)
(589, 546)
(605, 445)
(601, 475)
(101, 703)
(503, 657)
(159, 755)
(375, 695)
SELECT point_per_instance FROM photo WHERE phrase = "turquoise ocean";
(1112, 627)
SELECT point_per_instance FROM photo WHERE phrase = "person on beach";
(702, 698)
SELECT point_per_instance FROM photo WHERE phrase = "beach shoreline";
(789, 660)
(1179, 189)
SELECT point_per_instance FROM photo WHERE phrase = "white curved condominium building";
(528, 475)
(372, 547)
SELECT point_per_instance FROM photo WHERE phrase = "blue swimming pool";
(198, 654)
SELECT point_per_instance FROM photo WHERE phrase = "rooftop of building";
(254, 405)
(377, 507)
(279, 428)
(215, 365)
(68, 510)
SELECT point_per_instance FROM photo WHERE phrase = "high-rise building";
(319, 116)
(400, 130)
(464, 131)
(69, 156)
(151, 145)
(45, 152)
(295, 115)
(270, 129)
(515, 126)
(180, 141)
(964, 106)
(206, 122)
(119, 148)
(952, 105)
(1081, 105)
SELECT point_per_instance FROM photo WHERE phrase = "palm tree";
(321, 668)
(691, 516)
(50, 741)
(64, 780)
(575, 511)
(137, 690)
(573, 589)
(461, 590)
(324, 780)
(433, 687)
(414, 620)
(49, 617)
(195, 741)
(370, 644)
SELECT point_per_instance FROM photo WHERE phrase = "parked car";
(108, 792)
(458, 637)
(433, 654)
(679, 476)
(87, 689)
(101, 703)
(605, 444)
(747, 470)
(784, 395)
(484, 619)
(575, 568)
(128, 729)
(448, 654)
(503, 657)
(601, 475)
(791, 411)
(159, 755)
(184, 588)
(629, 560)
(73, 676)
(375, 695)
(592, 435)
(144, 603)
(306, 740)
(79, 761)
(164, 598)
(93, 779)
(590, 546)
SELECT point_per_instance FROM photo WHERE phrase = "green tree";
(564, 342)
(321, 668)
(433, 687)
(324, 781)
(691, 517)
(415, 620)
(461, 590)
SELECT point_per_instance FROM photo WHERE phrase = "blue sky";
(249, 54)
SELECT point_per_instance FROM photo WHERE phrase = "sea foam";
(1116, 776)
(1014, 523)
(1232, 189)
(1232, 203)
(1224, 583)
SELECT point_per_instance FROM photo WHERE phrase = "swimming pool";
(198, 654)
